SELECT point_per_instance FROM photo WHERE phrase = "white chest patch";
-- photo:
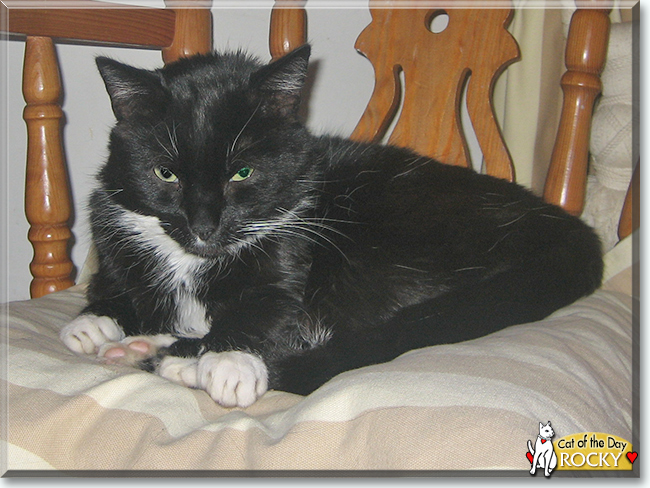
(191, 316)
(177, 273)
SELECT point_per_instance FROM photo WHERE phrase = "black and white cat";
(543, 455)
(238, 252)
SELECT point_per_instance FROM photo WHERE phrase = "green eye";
(242, 174)
(165, 174)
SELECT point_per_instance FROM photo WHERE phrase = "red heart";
(543, 440)
(632, 456)
(530, 457)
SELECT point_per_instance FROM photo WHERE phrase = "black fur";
(333, 254)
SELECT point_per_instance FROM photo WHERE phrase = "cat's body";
(221, 221)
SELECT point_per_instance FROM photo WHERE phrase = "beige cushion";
(436, 408)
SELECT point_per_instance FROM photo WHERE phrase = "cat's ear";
(132, 91)
(280, 83)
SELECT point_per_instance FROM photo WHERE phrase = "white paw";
(179, 370)
(133, 349)
(87, 333)
(232, 378)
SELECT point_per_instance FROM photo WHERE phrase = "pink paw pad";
(140, 346)
(133, 350)
(120, 351)
(114, 352)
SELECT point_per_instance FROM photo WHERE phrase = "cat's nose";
(204, 219)
(203, 232)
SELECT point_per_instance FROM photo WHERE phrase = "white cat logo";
(543, 456)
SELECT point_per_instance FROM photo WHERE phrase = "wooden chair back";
(435, 67)
(178, 32)
(474, 48)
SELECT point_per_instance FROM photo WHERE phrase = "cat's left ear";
(280, 83)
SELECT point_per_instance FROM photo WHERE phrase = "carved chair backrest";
(435, 67)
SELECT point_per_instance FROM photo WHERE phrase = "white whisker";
(234, 142)
(290, 224)
(173, 138)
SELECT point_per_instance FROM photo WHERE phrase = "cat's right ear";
(132, 91)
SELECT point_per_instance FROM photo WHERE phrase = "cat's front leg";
(536, 458)
(88, 332)
(231, 378)
(227, 362)
(103, 336)
(102, 320)
(548, 460)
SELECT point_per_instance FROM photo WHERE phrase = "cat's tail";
(530, 448)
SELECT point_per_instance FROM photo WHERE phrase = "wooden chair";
(180, 31)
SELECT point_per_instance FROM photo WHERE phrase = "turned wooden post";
(288, 29)
(47, 197)
(585, 58)
(193, 31)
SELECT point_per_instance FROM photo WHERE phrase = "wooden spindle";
(193, 32)
(288, 29)
(585, 58)
(47, 197)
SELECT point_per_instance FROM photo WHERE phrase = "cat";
(238, 252)
(543, 456)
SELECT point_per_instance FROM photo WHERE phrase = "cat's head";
(209, 145)
(546, 431)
